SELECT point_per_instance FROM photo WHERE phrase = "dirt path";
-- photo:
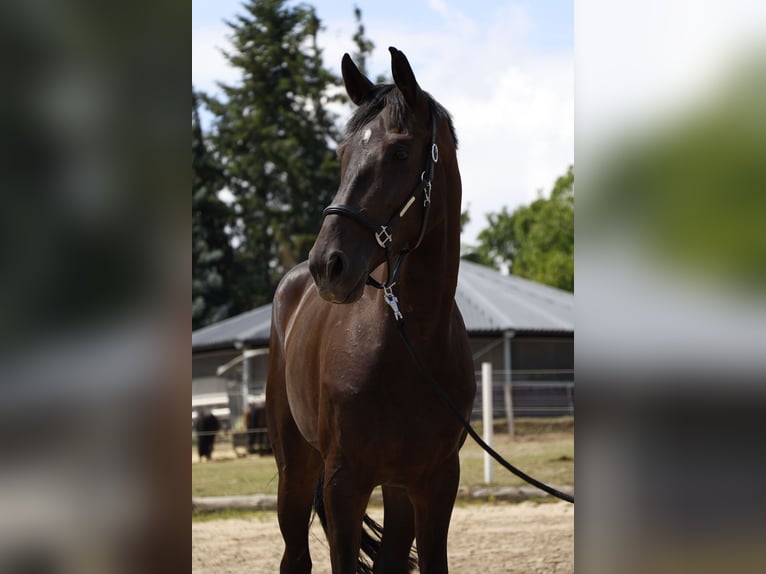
(525, 538)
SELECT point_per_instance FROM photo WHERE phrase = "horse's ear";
(357, 84)
(404, 78)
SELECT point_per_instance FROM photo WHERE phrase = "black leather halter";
(384, 234)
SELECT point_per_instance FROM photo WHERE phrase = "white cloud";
(454, 19)
(208, 64)
(516, 138)
(439, 6)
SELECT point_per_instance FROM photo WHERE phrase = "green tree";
(211, 250)
(536, 241)
(275, 139)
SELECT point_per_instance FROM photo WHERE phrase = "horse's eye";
(401, 154)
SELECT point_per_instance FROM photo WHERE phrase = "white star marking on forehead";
(366, 136)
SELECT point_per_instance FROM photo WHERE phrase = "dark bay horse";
(344, 400)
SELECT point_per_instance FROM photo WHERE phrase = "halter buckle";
(383, 237)
(427, 193)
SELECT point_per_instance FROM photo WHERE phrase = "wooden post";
(486, 409)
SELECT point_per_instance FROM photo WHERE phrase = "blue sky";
(505, 70)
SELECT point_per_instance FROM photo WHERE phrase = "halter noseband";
(384, 233)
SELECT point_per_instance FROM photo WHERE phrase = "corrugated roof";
(489, 301)
(251, 327)
(492, 302)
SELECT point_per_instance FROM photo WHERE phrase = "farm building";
(525, 329)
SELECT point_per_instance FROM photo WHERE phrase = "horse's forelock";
(386, 96)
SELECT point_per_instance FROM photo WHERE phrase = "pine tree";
(211, 250)
(275, 140)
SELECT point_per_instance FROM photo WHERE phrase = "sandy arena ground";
(525, 538)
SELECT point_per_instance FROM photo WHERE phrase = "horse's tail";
(372, 534)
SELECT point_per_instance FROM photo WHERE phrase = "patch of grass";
(549, 458)
(531, 427)
(232, 477)
(543, 448)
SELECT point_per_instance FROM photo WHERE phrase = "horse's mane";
(387, 96)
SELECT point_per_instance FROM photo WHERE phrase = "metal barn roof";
(251, 327)
(490, 302)
(493, 303)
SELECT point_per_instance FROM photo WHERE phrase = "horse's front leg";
(345, 500)
(433, 500)
(394, 554)
(299, 466)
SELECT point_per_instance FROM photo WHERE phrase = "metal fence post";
(507, 389)
(486, 394)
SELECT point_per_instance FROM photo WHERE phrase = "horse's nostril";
(335, 266)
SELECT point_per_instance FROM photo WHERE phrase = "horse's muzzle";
(335, 276)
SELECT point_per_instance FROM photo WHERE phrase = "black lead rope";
(469, 429)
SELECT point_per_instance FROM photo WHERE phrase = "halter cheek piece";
(384, 233)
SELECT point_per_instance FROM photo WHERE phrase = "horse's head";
(386, 161)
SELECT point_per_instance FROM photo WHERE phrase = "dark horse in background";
(344, 400)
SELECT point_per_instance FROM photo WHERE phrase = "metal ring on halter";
(434, 153)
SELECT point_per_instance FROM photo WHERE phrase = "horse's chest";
(357, 391)
(388, 415)
(331, 374)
